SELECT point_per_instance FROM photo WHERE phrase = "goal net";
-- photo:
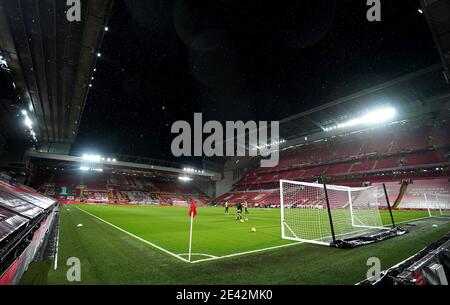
(305, 215)
(437, 204)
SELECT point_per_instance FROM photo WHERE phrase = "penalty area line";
(410, 220)
(244, 253)
(198, 254)
(136, 237)
(275, 247)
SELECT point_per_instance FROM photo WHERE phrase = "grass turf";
(109, 256)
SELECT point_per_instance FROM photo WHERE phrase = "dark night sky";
(238, 60)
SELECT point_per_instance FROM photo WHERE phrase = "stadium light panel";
(379, 116)
(182, 178)
(281, 141)
(3, 62)
(28, 122)
(92, 158)
(87, 168)
(371, 118)
(192, 170)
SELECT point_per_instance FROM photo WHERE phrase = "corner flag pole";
(192, 214)
(190, 236)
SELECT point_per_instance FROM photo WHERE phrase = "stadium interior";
(44, 79)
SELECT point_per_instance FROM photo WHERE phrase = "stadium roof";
(437, 13)
(421, 87)
(51, 61)
(423, 93)
(419, 94)
(122, 164)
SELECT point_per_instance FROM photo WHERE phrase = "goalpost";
(437, 204)
(322, 214)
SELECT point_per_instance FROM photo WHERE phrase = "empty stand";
(116, 188)
(396, 152)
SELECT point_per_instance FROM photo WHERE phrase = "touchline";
(233, 144)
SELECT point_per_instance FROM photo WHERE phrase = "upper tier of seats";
(413, 197)
(396, 147)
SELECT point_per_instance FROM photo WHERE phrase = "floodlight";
(374, 117)
(28, 122)
(378, 116)
(92, 158)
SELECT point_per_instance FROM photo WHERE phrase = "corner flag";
(192, 214)
(192, 210)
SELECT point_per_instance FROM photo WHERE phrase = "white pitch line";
(57, 243)
(411, 220)
(212, 257)
(135, 236)
(243, 253)
(199, 254)
(266, 249)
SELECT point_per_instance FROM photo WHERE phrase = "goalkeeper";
(238, 211)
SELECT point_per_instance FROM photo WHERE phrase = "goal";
(323, 214)
(437, 204)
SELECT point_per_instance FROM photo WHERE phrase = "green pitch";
(110, 255)
(214, 233)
